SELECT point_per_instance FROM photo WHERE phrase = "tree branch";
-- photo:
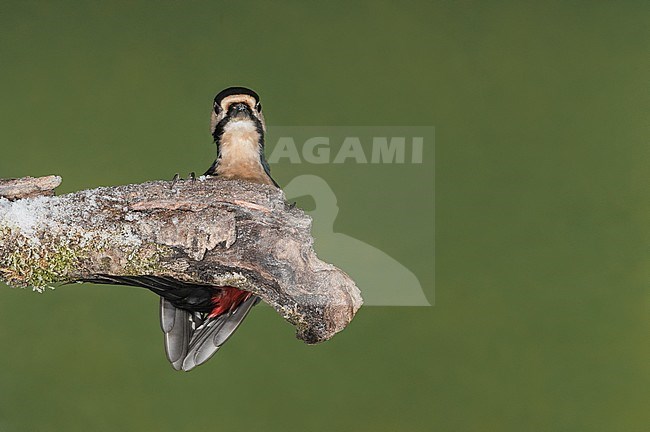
(28, 187)
(207, 232)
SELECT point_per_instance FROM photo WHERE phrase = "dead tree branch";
(206, 232)
(27, 187)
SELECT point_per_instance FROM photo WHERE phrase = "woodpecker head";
(238, 130)
(237, 108)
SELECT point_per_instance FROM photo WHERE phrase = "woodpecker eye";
(258, 107)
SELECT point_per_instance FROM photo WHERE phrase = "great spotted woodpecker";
(198, 319)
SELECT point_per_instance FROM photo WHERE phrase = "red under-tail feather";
(227, 300)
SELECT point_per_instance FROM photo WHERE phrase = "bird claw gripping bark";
(175, 180)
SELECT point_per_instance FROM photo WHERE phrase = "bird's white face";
(225, 109)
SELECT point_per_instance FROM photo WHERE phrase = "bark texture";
(206, 232)
(28, 187)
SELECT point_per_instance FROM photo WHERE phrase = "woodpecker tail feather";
(214, 332)
(176, 325)
(192, 333)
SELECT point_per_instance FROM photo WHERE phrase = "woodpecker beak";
(239, 110)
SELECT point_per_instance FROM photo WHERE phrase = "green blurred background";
(541, 317)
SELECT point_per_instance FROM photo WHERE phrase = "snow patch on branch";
(28, 216)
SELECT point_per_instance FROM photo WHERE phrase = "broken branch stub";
(207, 232)
(27, 187)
